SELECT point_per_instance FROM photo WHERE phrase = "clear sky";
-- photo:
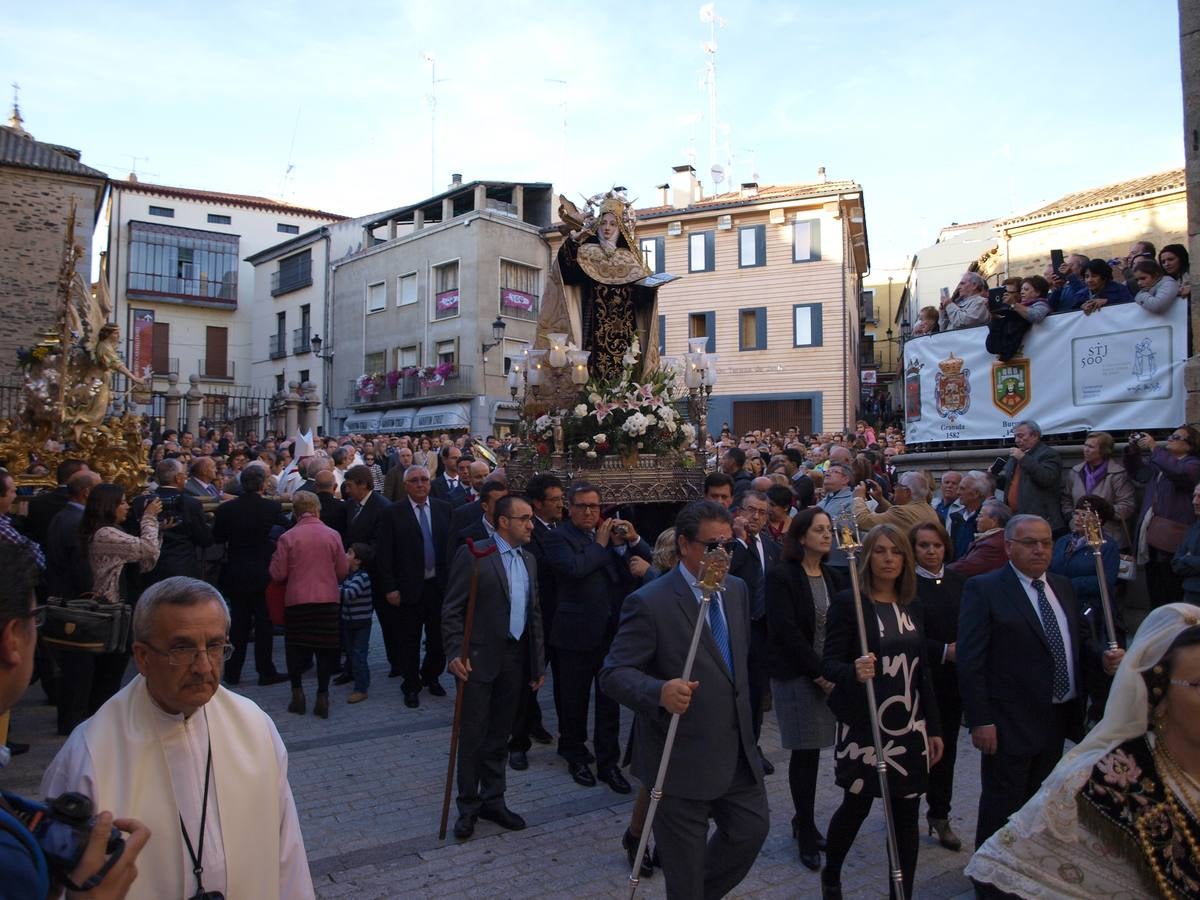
(944, 111)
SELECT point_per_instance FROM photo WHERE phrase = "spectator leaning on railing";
(1156, 289)
(968, 306)
(1175, 262)
(1069, 290)
(1102, 287)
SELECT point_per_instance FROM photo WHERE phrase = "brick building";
(37, 182)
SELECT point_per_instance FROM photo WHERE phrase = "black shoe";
(436, 689)
(582, 774)
(273, 678)
(394, 673)
(831, 889)
(504, 817)
(767, 767)
(810, 858)
(541, 735)
(614, 779)
(412, 699)
(630, 843)
(518, 760)
(16, 748)
(464, 827)
(343, 679)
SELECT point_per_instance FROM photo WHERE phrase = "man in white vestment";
(187, 757)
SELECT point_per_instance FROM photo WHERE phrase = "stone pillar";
(418, 220)
(310, 406)
(518, 199)
(391, 229)
(292, 404)
(447, 209)
(195, 398)
(1189, 52)
(480, 196)
(171, 413)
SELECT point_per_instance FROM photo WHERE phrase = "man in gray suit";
(507, 652)
(714, 772)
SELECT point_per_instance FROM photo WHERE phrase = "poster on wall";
(142, 337)
(1120, 368)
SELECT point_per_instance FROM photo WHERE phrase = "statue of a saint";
(88, 398)
(595, 294)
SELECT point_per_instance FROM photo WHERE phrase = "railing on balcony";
(164, 367)
(459, 383)
(291, 278)
(216, 368)
(301, 340)
(278, 345)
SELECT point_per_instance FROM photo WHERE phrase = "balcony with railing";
(218, 369)
(164, 367)
(421, 384)
(292, 277)
(278, 345)
(301, 340)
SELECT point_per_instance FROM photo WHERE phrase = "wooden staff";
(1095, 539)
(463, 656)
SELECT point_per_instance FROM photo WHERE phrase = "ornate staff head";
(714, 566)
(845, 530)
(1092, 526)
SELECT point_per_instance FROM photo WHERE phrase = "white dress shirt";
(1060, 617)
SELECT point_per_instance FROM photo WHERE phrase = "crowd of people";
(980, 590)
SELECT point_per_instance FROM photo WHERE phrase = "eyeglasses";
(1030, 543)
(187, 656)
(727, 546)
(586, 507)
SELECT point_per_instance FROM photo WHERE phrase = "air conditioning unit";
(724, 223)
(778, 217)
(675, 228)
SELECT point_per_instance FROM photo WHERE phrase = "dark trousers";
(529, 719)
(88, 680)
(1162, 584)
(696, 865)
(488, 711)
(760, 679)
(246, 608)
(1008, 780)
(390, 626)
(802, 783)
(424, 616)
(576, 671)
(941, 776)
(299, 659)
(848, 819)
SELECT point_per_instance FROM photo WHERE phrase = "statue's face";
(608, 229)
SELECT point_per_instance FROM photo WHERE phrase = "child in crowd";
(356, 618)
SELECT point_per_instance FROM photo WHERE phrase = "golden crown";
(951, 366)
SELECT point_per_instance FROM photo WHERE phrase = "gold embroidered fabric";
(613, 328)
(619, 266)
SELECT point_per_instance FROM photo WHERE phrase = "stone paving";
(368, 784)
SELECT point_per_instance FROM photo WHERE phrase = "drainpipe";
(326, 322)
(845, 323)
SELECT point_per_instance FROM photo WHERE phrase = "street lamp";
(497, 337)
(316, 344)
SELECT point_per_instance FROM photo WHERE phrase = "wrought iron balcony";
(301, 340)
(457, 384)
(278, 345)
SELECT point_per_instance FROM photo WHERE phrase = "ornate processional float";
(597, 402)
(66, 390)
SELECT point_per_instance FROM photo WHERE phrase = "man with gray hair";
(985, 553)
(911, 507)
(182, 525)
(967, 306)
(1032, 477)
(212, 788)
(973, 489)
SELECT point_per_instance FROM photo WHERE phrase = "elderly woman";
(1102, 476)
(1103, 289)
(1170, 476)
(908, 711)
(798, 592)
(310, 558)
(1116, 817)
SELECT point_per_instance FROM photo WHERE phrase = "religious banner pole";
(1095, 539)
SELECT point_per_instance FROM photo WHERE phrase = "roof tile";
(24, 152)
(220, 197)
(1110, 193)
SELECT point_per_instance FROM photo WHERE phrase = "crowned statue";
(600, 292)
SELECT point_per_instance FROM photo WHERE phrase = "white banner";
(1120, 368)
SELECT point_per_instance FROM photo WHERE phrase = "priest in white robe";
(203, 767)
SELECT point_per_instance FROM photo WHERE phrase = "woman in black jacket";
(908, 713)
(939, 592)
(798, 591)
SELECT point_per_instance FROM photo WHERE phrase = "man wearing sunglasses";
(203, 767)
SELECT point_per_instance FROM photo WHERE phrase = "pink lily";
(602, 410)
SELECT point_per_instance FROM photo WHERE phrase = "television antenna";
(562, 140)
(430, 60)
(708, 15)
(287, 172)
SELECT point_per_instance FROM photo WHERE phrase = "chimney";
(133, 178)
(664, 194)
(456, 179)
(749, 189)
(685, 189)
(821, 174)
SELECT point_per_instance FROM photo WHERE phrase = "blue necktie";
(430, 560)
(720, 632)
(518, 592)
(1058, 651)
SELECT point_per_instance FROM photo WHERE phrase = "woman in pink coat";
(310, 558)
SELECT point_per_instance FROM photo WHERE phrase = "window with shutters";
(752, 246)
(445, 290)
(868, 306)
(752, 328)
(160, 351)
(520, 290)
(704, 325)
(375, 363)
(407, 292)
(216, 353)
(294, 272)
(376, 297)
(662, 335)
(447, 351)
(700, 252)
(806, 240)
(653, 253)
(806, 325)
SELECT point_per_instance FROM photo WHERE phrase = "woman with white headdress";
(1119, 817)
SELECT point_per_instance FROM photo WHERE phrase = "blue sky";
(943, 111)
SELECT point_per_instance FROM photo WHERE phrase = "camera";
(620, 530)
(170, 506)
(62, 827)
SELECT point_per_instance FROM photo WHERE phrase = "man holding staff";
(506, 651)
(714, 770)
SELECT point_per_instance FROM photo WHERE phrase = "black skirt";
(314, 625)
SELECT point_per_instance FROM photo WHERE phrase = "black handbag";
(87, 625)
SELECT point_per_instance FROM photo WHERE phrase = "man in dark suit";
(393, 484)
(45, 506)
(544, 494)
(1023, 655)
(412, 571)
(506, 655)
(182, 525)
(714, 772)
(1032, 477)
(481, 526)
(802, 484)
(202, 476)
(446, 486)
(244, 526)
(333, 511)
(67, 571)
(753, 557)
(365, 510)
(595, 565)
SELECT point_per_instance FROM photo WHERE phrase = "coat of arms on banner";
(1010, 385)
(912, 390)
(952, 388)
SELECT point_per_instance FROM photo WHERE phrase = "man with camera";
(212, 787)
(181, 524)
(967, 307)
(24, 868)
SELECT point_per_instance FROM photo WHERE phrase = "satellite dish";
(718, 173)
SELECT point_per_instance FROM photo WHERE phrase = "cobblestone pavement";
(368, 783)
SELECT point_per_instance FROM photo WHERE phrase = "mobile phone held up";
(1056, 260)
